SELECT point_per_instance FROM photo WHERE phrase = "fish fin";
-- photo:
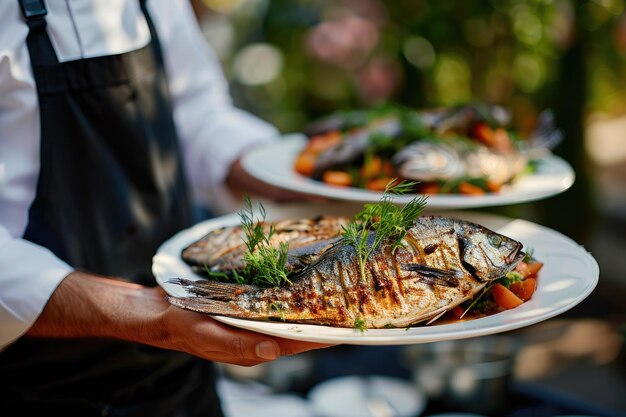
(212, 289)
(435, 276)
(208, 306)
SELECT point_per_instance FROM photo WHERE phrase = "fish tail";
(208, 306)
(213, 289)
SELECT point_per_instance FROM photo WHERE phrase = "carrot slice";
(493, 186)
(338, 178)
(305, 164)
(470, 189)
(320, 143)
(504, 297)
(379, 184)
(524, 289)
(372, 168)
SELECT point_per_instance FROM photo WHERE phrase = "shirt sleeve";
(29, 275)
(212, 131)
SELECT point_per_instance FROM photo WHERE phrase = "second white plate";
(274, 163)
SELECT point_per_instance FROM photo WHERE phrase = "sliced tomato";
(534, 267)
(457, 312)
(529, 269)
(522, 268)
(505, 298)
(524, 289)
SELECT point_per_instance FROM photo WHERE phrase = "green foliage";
(433, 53)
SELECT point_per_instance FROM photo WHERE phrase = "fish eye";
(495, 240)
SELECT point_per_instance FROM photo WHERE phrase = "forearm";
(89, 306)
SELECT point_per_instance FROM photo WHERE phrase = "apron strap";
(156, 45)
(39, 45)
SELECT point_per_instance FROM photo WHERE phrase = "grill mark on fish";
(398, 275)
(394, 292)
(430, 248)
(342, 284)
(318, 290)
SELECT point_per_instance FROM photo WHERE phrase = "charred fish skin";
(441, 263)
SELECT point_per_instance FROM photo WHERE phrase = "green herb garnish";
(359, 324)
(265, 264)
(382, 221)
(221, 276)
(278, 307)
(510, 278)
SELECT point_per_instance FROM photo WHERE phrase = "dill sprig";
(265, 264)
(221, 276)
(382, 221)
(359, 324)
(279, 308)
(253, 230)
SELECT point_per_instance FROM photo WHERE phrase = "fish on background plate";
(441, 263)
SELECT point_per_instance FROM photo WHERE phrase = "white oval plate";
(569, 275)
(273, 164)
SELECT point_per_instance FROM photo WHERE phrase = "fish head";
(488, 255)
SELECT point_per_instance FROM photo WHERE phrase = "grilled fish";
(456, 158)
(222, 250)
(441, 263)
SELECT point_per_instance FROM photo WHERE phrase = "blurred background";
(292, 61)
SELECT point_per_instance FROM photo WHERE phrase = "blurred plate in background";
(369, 396)
(273, 164)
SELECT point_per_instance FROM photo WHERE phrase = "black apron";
(111, 188)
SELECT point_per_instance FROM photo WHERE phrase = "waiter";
(106, 109)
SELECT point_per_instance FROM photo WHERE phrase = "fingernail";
(267, 350)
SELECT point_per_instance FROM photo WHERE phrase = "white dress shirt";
(213, 133)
